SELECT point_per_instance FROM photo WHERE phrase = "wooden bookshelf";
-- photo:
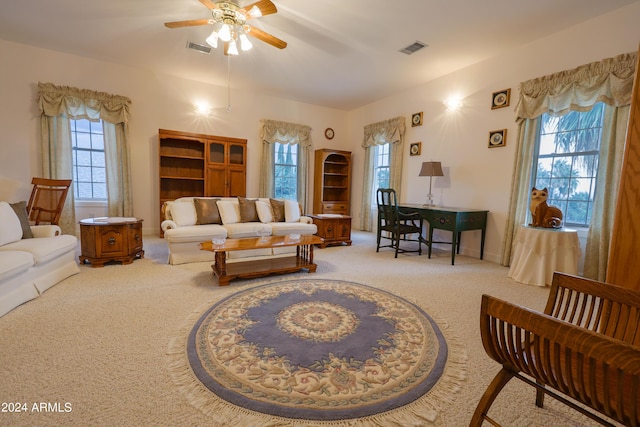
(332, 182)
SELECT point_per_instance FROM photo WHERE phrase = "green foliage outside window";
(285, 171)
(567, 162)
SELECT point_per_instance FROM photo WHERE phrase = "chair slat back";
(47, 200)
(600, 307)
(387, 206)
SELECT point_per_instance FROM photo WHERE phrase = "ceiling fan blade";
(266, 8)
(190, 23)
(266, 37)
(208, 3)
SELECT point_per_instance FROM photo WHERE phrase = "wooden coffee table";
(225, 272)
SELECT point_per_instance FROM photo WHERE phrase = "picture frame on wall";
(500, 99)
(416, 119)
(497, 138)
(415, 148)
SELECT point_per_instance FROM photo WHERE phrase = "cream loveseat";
(32, 258)
(188, 221)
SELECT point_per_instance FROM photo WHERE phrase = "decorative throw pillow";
(278, 210)
(20, 208)
(207, 211)
(265, 214)
(183, 213)
(229, 211)
(291, 211)
(248, 212)
(10, 230)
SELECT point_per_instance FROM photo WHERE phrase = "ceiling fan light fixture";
(225, 33)
(255, 12)
(245, 43)
(212, 40)
(233, 48)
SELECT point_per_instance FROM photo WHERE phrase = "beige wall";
(477, 177)
(158, 102)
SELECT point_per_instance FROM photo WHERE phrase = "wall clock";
(328, 133)
(416, 119)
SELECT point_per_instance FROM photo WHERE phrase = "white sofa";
(188, 221)
(31, 265)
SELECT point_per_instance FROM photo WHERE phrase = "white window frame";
(560, 157)
(95, 169)
(279, 167)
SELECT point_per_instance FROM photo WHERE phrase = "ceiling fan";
(230, 24)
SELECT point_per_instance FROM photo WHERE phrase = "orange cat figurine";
(542, 214)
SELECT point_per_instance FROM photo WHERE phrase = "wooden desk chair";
(47, 199)
(398, 225)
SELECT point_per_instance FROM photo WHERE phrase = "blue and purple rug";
(319, 350)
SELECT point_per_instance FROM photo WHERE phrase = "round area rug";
(317, 350)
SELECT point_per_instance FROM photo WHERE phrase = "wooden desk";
(538, 252)
(455, 220)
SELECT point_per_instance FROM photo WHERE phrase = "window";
(89, 174)
(380, 169)
(567, 162)
(285, 170)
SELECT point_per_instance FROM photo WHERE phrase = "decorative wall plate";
(497, 138)
(415, 148)
(416, 119)
(500, 99)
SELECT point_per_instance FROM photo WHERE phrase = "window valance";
(609, 81)
(82, 103)
(386, 131)
(285, 133)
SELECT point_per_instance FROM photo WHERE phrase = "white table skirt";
(538, 252)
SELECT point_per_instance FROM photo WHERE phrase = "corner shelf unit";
(332, 182)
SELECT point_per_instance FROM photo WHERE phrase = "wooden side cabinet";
(110, 239)
(334, 229)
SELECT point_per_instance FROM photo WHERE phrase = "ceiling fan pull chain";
(228, 83)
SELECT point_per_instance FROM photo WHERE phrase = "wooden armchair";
(397, 224)
(47, 200)
(585, 346)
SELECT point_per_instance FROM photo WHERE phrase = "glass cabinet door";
(216, 152)
(236, 154)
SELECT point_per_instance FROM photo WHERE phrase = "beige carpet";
(94, 347)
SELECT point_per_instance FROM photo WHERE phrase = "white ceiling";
(341, 53)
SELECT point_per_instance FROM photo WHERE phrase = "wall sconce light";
(453, 103)
(202, 109)
(430, 169)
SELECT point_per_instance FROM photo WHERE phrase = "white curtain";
(271, 132)
(57, 105)
(609, 81)
(392, 132)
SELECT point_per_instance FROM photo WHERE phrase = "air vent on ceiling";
(412, 48)
(198, 47)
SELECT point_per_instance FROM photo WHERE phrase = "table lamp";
(430, 169)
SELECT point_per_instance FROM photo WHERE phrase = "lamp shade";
(431, 169)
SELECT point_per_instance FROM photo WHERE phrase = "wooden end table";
(110, 239)
(225, 272)
(333, 228)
